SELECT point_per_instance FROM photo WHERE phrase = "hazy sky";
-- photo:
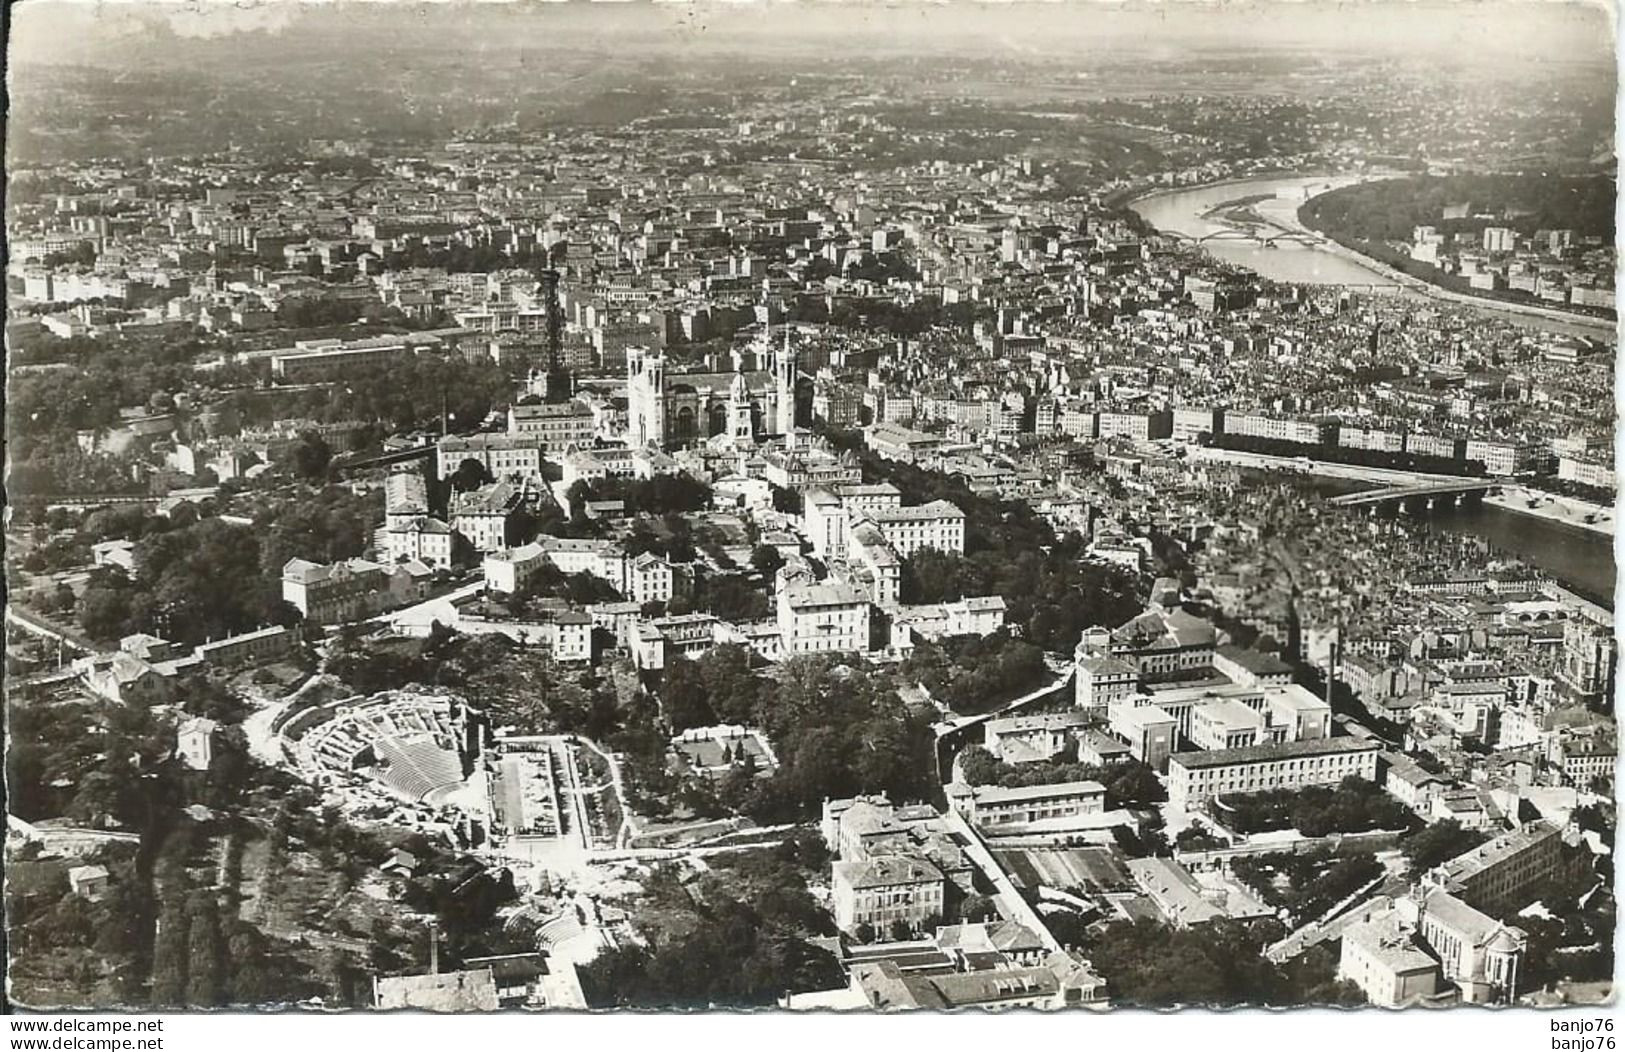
(58, 30)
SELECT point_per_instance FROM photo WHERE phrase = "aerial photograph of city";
(810, 507)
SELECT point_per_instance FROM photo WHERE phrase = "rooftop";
(993, 794)
(886, 871)
(1383, 938)
(1467, 865)
(936, 509)
(824, 593)
(1255, 661)
(1192, 761)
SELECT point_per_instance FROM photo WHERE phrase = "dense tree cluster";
(1051, 593)
(109, 373)
(1355, 806)
(670, 536)
(839, 729)
(1218, 964)
(192, 584)
(739, 938)
(1571, 937)
(322, 526)
(717, 687)
(1129, 783)
(972, 674)
(57, 465)
(881, 268)
(412, 391)
(730, 596)
(82, 254)
(1437, 843)
(1390, 209)
(1306, 885)
(310, 456)
(49, 751)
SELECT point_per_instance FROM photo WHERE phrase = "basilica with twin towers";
(668, 410)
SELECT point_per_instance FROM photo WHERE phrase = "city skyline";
(811, 507)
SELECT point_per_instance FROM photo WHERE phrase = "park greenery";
(839, 729)
(720, 686)
(1390, 209)
(1050, 594)
(738, 937)
(1354, 806)
(191, 585)
(185, 920)
(1219, 964)
(198, 578)
(1571, 928)
(1437, 843)
(973, 674)
(1306, 885)
(1129, 783)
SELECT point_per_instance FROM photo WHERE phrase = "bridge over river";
(1261, 237)
(1430, 493)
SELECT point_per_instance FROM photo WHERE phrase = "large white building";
(1380, 956)
(423, 538)
(992, 806)
(1196, 777)
(976, 615)
(880, 892)
(503, 456)
(665, 409)
(351, 589)
(937, 524)
(482, 515)
(645, 578)
(1281, 429)
(827, 617)
(555, 426)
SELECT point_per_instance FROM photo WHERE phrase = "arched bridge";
(1291, 237)
(1419, 491)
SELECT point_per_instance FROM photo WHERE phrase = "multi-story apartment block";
(1281, 429)
(482, 516)
(1506, 872)
(1196, 777)
(503, 456)
(1500, 458)
(555, 427)
(882, 891)
(938, 524)
(347, 590)
(826, 617)
(423, 538)
(994, 806)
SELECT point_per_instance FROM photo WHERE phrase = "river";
(1186, 211)
(1581, 559)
